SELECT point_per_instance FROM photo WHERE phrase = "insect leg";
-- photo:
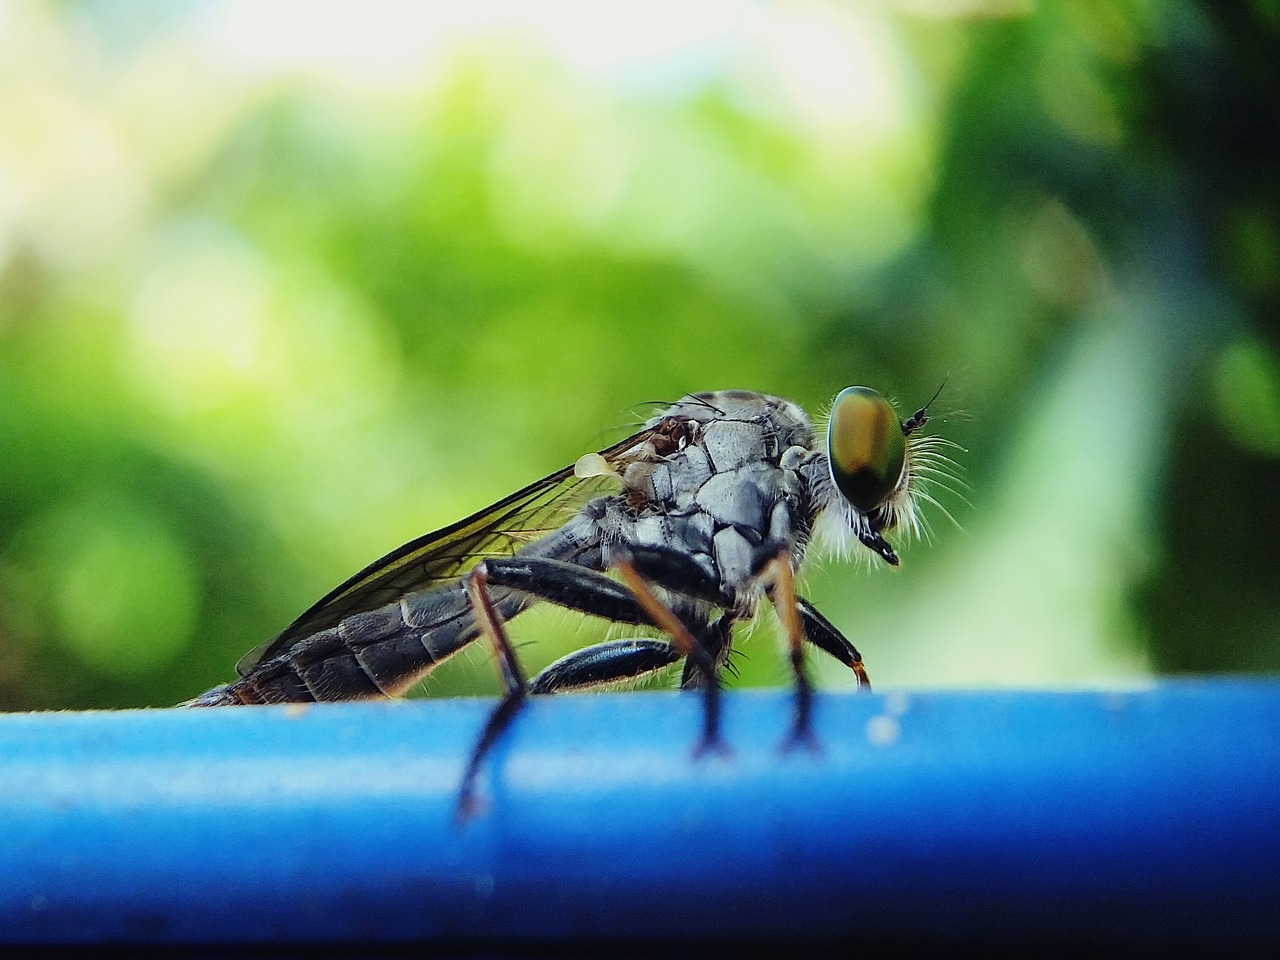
(819, 631)
(675, 571)
(677, 630)
(615, 660)
(715, 638)
(512, 678)
(568, 585)
(572, 586)
(632, 601)
(783, 595)
(604, 663)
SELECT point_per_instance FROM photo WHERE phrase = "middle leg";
(578, 588)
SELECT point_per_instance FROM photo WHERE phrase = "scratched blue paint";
(1151, 815)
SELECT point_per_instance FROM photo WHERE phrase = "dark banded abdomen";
(384, 651)
(376, 653)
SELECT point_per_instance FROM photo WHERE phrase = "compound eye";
(866, 447)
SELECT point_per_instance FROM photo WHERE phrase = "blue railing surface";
(1145, 816)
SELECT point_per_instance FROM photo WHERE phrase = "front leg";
(802, 622)
(820, 632)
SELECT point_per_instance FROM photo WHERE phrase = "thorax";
(732, 487)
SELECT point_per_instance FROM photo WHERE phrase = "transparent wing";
(497, 530)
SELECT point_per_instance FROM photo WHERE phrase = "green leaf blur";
(282, 288)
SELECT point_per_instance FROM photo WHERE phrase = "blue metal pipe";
(1149, 816)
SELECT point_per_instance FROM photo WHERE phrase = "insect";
(706, 511)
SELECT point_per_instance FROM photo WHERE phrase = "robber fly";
(709, 508)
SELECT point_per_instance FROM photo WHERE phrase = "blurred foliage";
(282, 288)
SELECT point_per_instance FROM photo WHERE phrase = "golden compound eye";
(866, 447)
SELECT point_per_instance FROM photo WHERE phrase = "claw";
(801, 738)
(864, 682)
(469, 806)
(711, 744)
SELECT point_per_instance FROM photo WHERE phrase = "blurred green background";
(283, 286)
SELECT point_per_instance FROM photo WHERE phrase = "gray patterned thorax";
(732, 492)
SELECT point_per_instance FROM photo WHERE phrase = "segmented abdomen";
(371, 654)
